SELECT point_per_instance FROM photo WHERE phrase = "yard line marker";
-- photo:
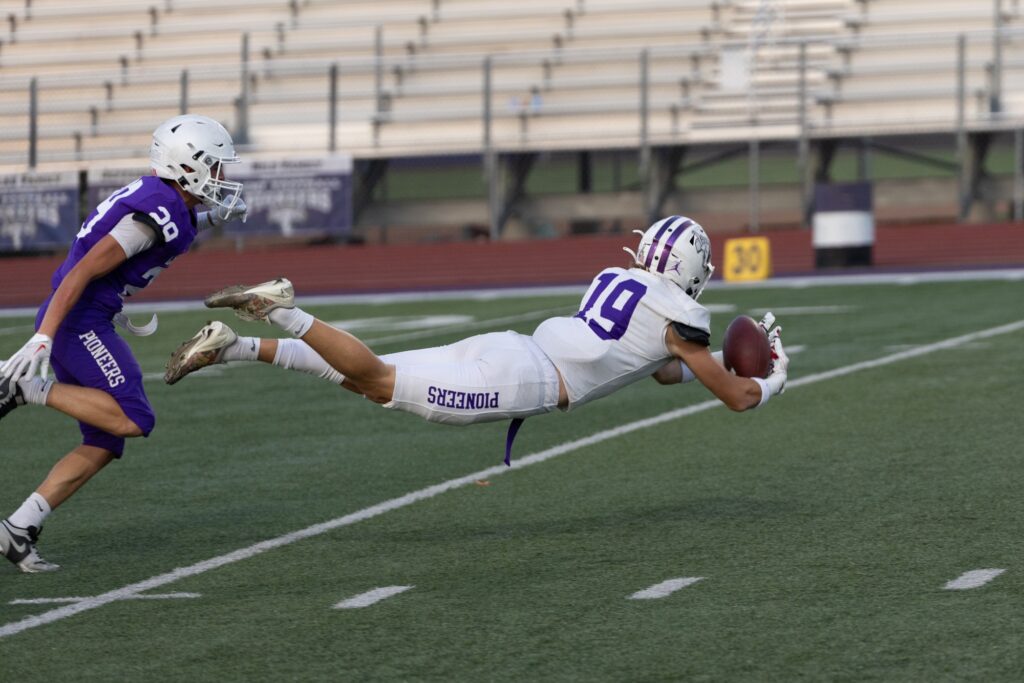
(20, 329)
(492, 322)
(786, 311)
(152, 596)
(471, 325)
(134, 589)
(973, 579)
(665, 588)
(370, 597)
(494, 294)
(208, 371)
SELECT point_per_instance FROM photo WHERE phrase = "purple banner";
(295, 197)
(102, 182)
(38, 211)
(291, 198)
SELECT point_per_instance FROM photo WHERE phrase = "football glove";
(33, 357)
(220, 215)
(780, 362)
(767, 321)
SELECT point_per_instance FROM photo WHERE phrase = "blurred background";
(438, 144)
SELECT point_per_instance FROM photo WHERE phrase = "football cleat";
(10, 396)
(205, 348)
(254, 302)
(19, 546)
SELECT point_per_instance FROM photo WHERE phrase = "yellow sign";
(747, 258)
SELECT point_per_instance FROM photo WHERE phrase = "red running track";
(25, 281)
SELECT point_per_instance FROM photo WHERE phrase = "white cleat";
(19, 546)
(255, 302)
(205, 348)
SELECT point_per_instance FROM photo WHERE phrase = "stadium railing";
(586, 89)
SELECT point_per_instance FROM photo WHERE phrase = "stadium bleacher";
(412, 76)
(411, 73)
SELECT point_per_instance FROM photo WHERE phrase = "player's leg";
(93, 407)
(85, 404)
(363, 370)
(487, 377)
(106, 417)
(72, 471)
(86, 389)
(19, 533)
(216, 343)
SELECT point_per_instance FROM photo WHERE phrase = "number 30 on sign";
(747, 258)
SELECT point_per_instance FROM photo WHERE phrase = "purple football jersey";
(151, 201)
(87, 351)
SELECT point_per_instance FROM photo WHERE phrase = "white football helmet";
(192, 150)
(676, 248)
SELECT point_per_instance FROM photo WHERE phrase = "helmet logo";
(702, 244)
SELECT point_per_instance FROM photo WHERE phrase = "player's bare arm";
(738, 393)
(34, 357)
(669, 373)
(101, 259)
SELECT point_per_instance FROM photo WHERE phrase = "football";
(745, 348)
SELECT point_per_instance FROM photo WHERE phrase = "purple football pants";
(94, 355)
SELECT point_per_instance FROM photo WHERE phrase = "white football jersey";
(618, 336)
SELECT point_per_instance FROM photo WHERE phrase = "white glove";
(32, 357)
(767, 321)
(220, 215)
(780, 362)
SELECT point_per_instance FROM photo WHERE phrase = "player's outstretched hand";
(221, 215)
(767, 321)
(33, 357)
(780, 361)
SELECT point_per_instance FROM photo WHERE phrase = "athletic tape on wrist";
(766, 392)
(688, 375)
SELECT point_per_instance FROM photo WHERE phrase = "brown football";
(745, 348)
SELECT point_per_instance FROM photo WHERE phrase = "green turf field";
(823, 527)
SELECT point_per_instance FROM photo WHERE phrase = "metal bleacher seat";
(903, 73)
(410, 73)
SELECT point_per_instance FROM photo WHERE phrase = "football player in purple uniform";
(126, 241)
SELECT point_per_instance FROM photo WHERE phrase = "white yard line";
(59, 601)
(491, 322)
(134, 589)
(973, 579)
(370, 597)
(791, 282)
(787, 311)
(665, 588)
(19, 329)
(474, 325)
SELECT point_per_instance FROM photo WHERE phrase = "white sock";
(293, 320)
(244, 348)
(31, 513)
(294, 354)
(35, 390)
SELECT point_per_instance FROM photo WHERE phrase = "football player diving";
(632, 323)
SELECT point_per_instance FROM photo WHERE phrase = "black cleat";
(10, 396)
(19, 546)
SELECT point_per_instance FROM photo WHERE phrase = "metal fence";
(399, 102)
